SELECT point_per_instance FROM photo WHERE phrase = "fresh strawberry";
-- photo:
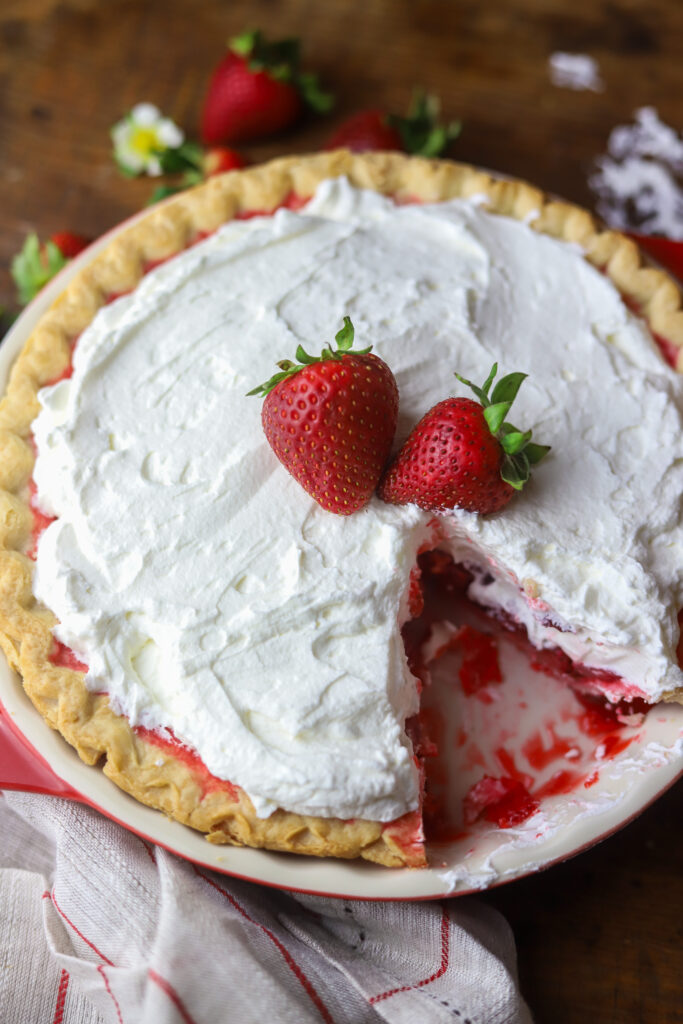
(462, 453)
(69, 244)
(257, 89)
(220, 159)
(366, 130)
(419, 132)
(331, 421)
(38, 262)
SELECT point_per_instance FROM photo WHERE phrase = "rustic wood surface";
(600, 937)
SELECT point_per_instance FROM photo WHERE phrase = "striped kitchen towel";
(99, 927)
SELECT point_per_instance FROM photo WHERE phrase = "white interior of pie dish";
(527, 705)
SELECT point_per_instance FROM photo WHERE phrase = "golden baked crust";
(85, 719)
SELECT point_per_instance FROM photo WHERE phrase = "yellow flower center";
(144, 141)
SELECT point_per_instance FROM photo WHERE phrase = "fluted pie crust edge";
(85, 719)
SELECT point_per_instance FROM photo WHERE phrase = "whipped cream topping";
(210, 595)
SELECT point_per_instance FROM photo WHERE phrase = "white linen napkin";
(99, 927)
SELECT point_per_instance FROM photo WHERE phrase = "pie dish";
(158, 770)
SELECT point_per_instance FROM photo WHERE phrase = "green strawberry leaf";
(282, 60)
(187, 157)
(495, 414)
(514, 441)
(536, 452)
(481, 395)
(311, 93)
(344, 339)
(507, 387)
(519, 452)
(515, 471)
(263, 389)
(420, 132)
(482, 392)
(244, 43)
(479, 392)
(34, 266)
(303, 356)
(279, 59)
(489, 380)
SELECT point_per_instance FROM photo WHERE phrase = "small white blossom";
(141, 136)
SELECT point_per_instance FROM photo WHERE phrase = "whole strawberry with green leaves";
(258, 89)
(464, 454)
(419, 132)
(331, 421)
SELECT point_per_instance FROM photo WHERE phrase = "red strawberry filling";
(169, 745)
(507, 798)
(504, 764)
(506, 802)
(451, 582)
(64, 657)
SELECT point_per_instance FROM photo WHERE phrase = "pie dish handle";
(23, 768)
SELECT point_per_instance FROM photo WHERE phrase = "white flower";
(141, 137)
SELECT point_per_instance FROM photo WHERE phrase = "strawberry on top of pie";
(209, 594)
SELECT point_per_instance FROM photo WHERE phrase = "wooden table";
(600, 937)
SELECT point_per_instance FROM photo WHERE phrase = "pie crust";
(85, 719)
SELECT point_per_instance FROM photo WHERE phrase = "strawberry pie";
(192, 620)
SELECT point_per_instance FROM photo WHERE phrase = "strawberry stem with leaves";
(420, 130)
(34, 266)
(520, 452)
(344, 339)
(281, 60)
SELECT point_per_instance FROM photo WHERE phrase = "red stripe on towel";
(100, 969)
(61, 996)
(172, 995)
(443, 967)
(289, 959)
(80, 934)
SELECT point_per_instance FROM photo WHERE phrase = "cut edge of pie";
(159, 777)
